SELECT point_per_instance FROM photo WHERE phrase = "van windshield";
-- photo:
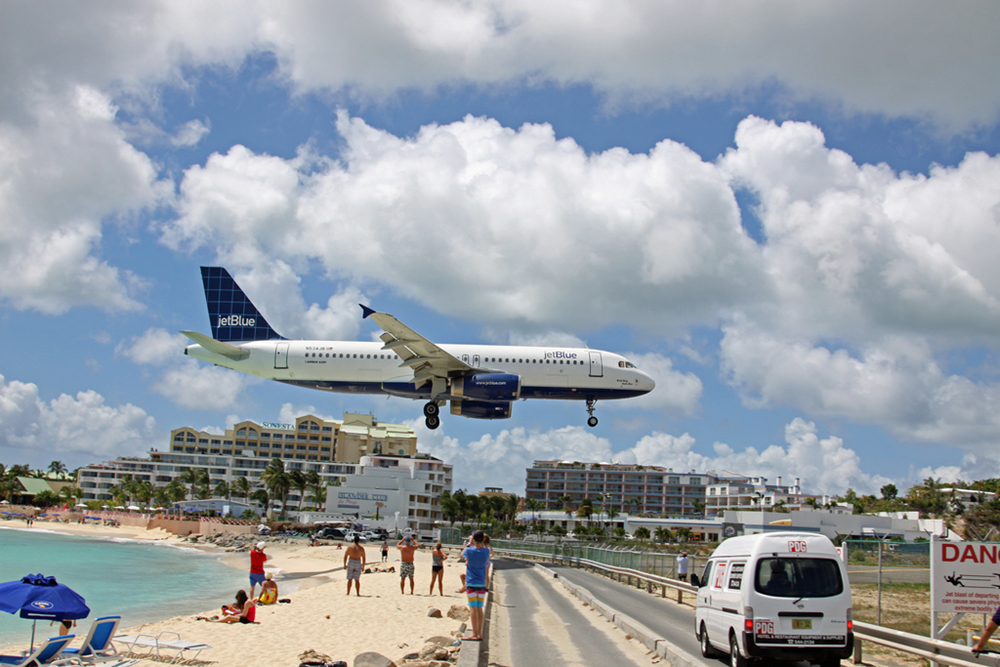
(798, 577)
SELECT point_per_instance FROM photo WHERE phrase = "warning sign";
(965, 577)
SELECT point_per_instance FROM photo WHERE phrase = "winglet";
(366, 311)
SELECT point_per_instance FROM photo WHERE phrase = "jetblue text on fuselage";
(237, 321)
(560, 355)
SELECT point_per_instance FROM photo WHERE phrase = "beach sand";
(320, 616)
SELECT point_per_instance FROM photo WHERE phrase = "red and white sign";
(965, 577)
(797, 546)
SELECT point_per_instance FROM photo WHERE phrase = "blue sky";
(786, 213)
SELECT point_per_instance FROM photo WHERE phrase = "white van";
(780, 596)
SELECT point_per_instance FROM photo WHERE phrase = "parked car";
(349, 537)
(333, 533)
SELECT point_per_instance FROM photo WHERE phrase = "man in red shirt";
(257, 558)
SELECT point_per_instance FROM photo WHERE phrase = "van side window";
(798, 577)
(735, 576)
(704, 581)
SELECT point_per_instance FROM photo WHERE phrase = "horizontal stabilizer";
(217, 347)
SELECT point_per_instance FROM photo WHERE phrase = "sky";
(787, 213)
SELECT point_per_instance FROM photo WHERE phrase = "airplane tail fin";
(232, 316)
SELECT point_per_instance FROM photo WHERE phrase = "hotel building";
(631, 489)
(333, 448)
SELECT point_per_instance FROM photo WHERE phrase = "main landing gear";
(431, 415)
(592, 421)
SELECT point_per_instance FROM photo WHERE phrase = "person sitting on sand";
(244, 611)
(268, 590)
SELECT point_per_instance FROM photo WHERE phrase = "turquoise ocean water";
(140, 581)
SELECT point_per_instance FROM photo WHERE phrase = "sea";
(140, 581)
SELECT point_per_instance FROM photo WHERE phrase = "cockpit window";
(625, 364)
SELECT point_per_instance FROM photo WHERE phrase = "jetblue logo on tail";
(233, 317)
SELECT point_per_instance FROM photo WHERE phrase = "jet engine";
(488, 387)
(481, 409)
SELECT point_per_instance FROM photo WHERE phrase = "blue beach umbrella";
(37, 596)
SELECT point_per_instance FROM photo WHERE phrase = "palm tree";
(317, 487)
(297, 480)
(57, 468)
(261, 498)
(277, 481)
(196, 477)
(586, 509)
(662, 534)
(241, 487)
(223, 490)
(511, 505)
(175, 491)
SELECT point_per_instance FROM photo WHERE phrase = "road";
(528, 594)
(535, 622)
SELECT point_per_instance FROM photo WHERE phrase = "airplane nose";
(646, 383)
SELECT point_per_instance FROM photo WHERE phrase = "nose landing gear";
(592, 421)
(431, 415)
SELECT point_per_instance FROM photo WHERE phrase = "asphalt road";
(547, 627)
(673, 622)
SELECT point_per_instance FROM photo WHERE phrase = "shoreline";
(320, 616)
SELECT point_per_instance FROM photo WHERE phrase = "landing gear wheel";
(432, 422)
(431, 409)
(707, 650)
(829, 662)
(592, 422)
(735, 659)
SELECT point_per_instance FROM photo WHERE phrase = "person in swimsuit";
(385, 551)
(268, 590)
(354, 563)
(407, 547)
(247, 611)
(437, 569)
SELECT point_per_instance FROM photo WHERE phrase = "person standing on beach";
(257, 559)
(407, 547)
(477, 560)
(385, 550)
(438, 557)
(354, 563)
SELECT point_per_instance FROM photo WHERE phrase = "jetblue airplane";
(480, 381)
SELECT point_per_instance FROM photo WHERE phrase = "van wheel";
(707, 650)
(735, 658)
(829, 662)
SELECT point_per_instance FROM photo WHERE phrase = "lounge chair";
(160, 642)
(46, 653)
(97, 646)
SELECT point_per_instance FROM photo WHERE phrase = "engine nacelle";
(488, 387)
(481, 409)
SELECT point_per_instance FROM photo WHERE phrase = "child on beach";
(477, 560)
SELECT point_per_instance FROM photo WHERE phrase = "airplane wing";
(427, 360)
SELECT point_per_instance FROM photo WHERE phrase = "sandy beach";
(320, 616)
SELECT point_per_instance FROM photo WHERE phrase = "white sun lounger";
(161, 642)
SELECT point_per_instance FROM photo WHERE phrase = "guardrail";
(936, 650)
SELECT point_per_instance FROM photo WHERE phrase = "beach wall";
(214, 528)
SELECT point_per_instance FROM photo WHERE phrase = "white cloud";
(60, 176)
(446, 216)
(824, 465)
(185, 381)
(77, 428)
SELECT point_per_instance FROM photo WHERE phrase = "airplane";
(480, 381)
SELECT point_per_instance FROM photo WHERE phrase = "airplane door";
(596, 365)
(281, 355)
(475, 361)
